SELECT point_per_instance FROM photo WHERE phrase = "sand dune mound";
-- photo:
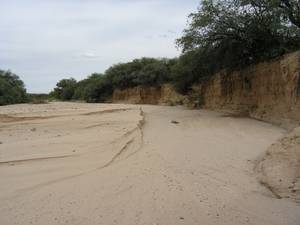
(280, 168)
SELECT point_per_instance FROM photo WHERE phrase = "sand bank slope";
(71, 163)
(280, 168)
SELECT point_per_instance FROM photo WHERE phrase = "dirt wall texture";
(164, 95)
(269, 91)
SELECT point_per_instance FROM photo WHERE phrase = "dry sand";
(75, 163)
(280, 167)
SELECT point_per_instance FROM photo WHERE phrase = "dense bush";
(65, 89)
(99, 87)
(140, 72)
(12, 89)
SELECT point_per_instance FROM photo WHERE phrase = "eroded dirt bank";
(71, 163)
(269, 91)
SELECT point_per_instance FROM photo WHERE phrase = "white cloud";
(89, 55)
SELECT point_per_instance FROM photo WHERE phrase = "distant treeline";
(222, 35)
(38, 98)
(99, 87)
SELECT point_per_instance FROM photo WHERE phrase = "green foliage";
(38, 98)
(12, 89)
(185, 71)
(144, 72)
(65, 89)
(99, 87)
(234, 33)
(288, 10)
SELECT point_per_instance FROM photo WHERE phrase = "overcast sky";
(44, 41)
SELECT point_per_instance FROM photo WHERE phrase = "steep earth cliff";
(164, 95)
(269, 91)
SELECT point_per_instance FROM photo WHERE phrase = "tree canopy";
(65, 89)
(99, 87)
(12, 89)
(231, 34)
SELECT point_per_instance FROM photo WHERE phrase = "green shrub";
(12, 89)
(65, 89)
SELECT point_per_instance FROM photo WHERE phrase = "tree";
(65, 89)
(144, 71)
(231, 34)
(100, 90)
(292, 9)
(153, 74)
(288, 9)
(100, 87)
(246, 33)
(12, 89)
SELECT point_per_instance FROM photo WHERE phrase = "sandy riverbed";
(76, 163)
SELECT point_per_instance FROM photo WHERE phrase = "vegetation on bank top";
(231, 34)
(221, 35)
(99, 87)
